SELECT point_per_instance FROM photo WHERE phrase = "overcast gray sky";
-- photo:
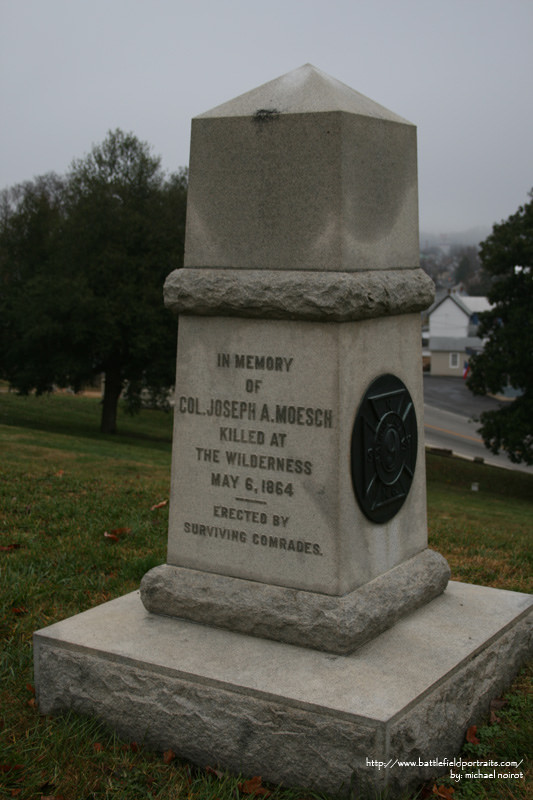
(461, 70)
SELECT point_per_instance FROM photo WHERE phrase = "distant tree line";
(83, 258)
(457, 265)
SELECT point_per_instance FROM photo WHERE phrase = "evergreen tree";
(507, 357)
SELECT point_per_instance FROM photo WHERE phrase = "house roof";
(469, 305)
(476, 304)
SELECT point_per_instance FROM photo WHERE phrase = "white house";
(453, 321)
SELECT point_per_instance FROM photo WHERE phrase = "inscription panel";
(254, 465)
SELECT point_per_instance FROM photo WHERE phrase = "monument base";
(309, 619)
(293, 715)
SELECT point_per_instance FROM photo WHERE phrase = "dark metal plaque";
(384, 445)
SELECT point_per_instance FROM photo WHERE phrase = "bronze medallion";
(384, 445)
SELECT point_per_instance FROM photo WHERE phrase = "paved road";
(452, 394)
(450, 411)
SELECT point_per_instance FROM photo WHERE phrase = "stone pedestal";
(297, 531)
(292, 714)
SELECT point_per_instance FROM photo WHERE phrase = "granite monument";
(301, 628)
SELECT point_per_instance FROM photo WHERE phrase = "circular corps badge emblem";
(383, 448)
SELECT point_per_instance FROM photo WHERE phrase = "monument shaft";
(301, 288)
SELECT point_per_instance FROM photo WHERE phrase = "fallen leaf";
(9, 767)
(30, 688)
(133, 746)
(6, 548)
(32, 702)
(98, 748)
(216, 772)
(120, 531)
(168, 756)
(471, 736)
(444, 792)
(253, 787)
(111, 536)
(162, 504)
(60, 473)
(19, 611)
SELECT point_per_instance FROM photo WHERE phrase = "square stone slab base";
(292, 715)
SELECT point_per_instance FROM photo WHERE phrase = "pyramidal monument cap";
(306, 89)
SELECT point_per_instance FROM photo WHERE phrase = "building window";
(454, 360)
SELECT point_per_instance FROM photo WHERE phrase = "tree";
(82, 264)
(467, 265)
(30, 224)
(507, 357)
(468, 272)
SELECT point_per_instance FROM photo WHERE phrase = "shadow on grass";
(79, 416)
(462, 474)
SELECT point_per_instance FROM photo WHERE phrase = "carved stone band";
(323, 622)
(297, 295)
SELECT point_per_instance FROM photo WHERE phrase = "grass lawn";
(64, 486)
